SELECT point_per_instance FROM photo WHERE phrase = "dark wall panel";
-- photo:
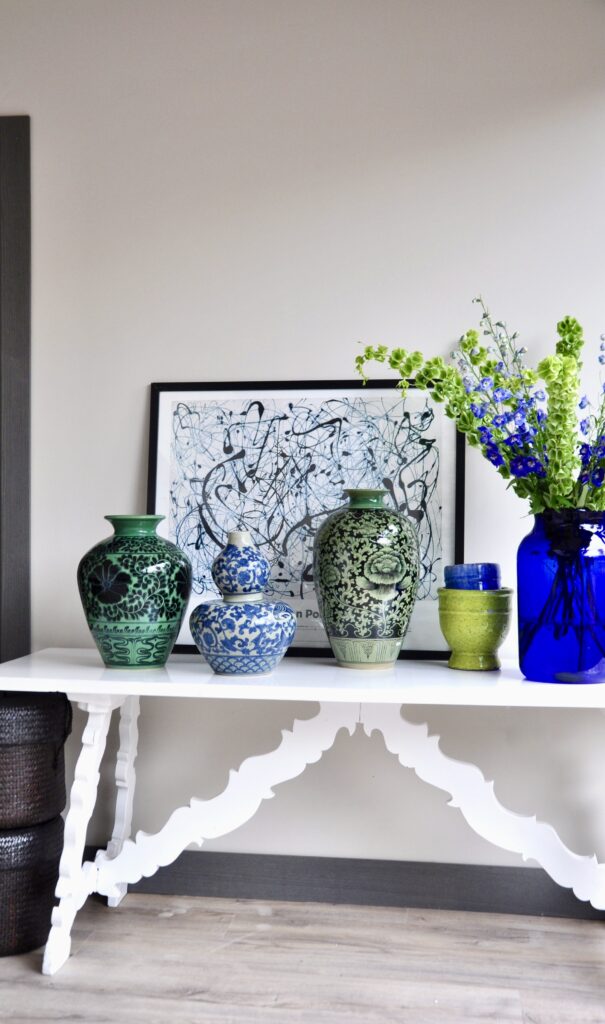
(15, 326)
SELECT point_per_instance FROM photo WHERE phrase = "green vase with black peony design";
(366, 569)
(134, 588)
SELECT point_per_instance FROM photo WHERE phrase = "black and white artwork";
(275, 459)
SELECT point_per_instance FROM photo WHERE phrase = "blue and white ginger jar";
(244, 633)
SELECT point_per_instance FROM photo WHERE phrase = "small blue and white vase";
(244, 633)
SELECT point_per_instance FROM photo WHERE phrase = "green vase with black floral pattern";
(366, 569)
(134, 588)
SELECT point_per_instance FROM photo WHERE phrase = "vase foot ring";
(244, 675)
(367, 665)
(135, 668)
(474, 662)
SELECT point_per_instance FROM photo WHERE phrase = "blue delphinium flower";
(486, 383)
(501, 394)
(501, 368)
(597, 477)
(602, 359)
(492, 452)
(524, 465)
(485, 435)
(524, 404)
(585, 454)
(518, 466)
(540, 395)
(468, 385)
(478, 411)
(502, 419)
(540, 415)
(585, 426)
(583, 402)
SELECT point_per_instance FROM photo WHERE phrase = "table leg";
(247, 787)
(125, 786)
(77, 880)
(474, 796)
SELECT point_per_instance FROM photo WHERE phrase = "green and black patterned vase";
(134, 588)
(366, 568)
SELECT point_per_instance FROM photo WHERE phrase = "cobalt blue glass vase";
(244, 633)
(561, 597)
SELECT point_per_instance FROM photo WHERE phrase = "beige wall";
(233, 190)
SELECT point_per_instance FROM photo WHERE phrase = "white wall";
(232, 190)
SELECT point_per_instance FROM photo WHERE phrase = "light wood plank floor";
(176, 960)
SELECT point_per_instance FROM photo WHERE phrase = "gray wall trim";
(15, 327)
(379, 883)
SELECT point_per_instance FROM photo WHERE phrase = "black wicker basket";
(29, 867)
(33, 730)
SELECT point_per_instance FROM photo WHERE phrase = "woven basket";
(29, 867)
(33, 730)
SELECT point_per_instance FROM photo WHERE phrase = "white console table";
(347, 699)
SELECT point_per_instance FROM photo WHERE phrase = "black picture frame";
(157, 390)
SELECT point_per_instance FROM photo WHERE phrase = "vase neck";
(134, 526)
(555, 519)
(239, 539)
(365, 498)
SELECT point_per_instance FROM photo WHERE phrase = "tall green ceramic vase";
(134, 588)
(366, 575)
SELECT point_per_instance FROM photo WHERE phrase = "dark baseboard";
(381, 883)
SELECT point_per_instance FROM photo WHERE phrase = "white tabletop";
(81, 671)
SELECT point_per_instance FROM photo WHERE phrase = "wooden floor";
(176, 960)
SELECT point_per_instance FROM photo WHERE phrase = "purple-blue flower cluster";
(494, 455)
(545, 438)
(502, 394)
(510, 432)
(524, 465)
(506, 414)
(592, 457)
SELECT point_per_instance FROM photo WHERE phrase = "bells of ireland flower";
(366, 568)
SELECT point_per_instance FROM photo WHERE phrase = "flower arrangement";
(542, 437)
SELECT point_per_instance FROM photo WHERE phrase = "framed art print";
(275, 458)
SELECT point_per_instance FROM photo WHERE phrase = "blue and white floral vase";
(244, 633)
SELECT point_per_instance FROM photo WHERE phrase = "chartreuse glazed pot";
(134, 588)
(366, 570)
(244, 633)
(474, 624)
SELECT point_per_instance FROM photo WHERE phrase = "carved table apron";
(348, 699)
